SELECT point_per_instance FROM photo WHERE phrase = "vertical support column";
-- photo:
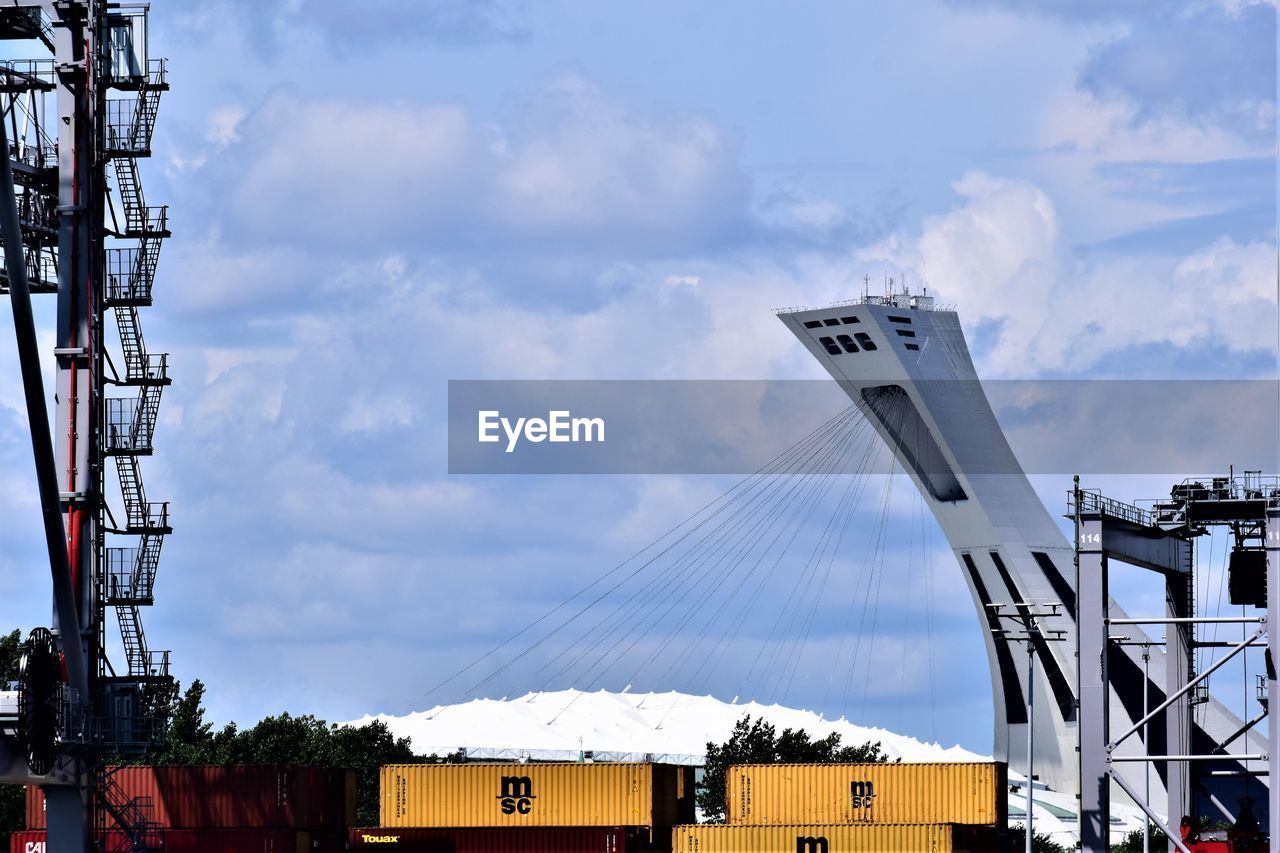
(1031, 741)
(75, 436)
(1272, 538)
(1091, 647)
(1177, 718)
(74, 418)
(67, 814)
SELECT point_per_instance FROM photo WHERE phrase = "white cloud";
(570, 165)
(219, 360)
(582, 162)
(223, 127)
(1237, 7)
(368, 414)
(1111, 129)
(1001, 257)
(202, 275)
(348, 170)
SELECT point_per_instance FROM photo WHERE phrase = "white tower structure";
(905, 362)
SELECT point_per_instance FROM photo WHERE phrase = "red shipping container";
(238, 797)
(236, 841)
(523, 839)
(27, 842)
(333, 800)
(190, 841)
(329, 842)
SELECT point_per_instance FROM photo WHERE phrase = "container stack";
(529, 808)
(844, 808)
(237, 809)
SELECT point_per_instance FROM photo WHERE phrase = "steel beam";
(1145, 547)
(1215, 757)
(75, 411)
(1175, 839)
(67, 813)
(1273, 686)
(1099, 537)
(24, 325)
(1177, 680)
(14, 770)
(69, 808)
(1190, 620)
(1091, 648)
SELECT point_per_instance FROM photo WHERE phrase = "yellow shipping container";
(458, 795)
(768, 794)
(834, 838)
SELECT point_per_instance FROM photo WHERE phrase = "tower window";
(832, 321)
(905, 333)
(849, 320)
(813, 324)
(847, 343)
(830, 345)
(865, 339)
(895, 318)
(913, 347)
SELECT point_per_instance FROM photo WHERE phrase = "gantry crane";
(74, 124)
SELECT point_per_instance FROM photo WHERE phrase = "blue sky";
(369, 203)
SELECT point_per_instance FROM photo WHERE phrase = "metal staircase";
(133, 816)
(33, 157)
(131, 422)
(130, 122)
(130, 571)
(140, 368)
(131, 634)
(130, 273)
(142, 516)
(140, 221)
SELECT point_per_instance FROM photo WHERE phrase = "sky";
(369, 200)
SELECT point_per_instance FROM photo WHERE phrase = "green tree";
(308, 740)
(1133, 841)
(11, 796)
(285, 739)
(10, 656)
(12, 818)
(1041, 843)
(189, 739)
(759, 743)
(364, 749)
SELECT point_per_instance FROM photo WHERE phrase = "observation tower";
(904, 361)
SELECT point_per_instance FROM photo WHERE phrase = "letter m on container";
(517, 795)
(809, 844)
(862, 795)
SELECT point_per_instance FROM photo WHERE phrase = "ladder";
(131, 272)
(130, 187)
(131, 342)
(133, 638)
(144, 119)
(135, 499)
(131, 815)
(131, 572)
